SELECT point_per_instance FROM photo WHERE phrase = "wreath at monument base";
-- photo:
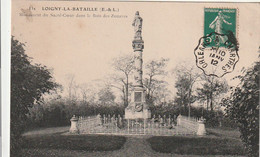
(138, 107)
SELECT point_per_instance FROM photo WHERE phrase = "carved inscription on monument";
(138, 96)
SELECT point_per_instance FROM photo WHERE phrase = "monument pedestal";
(137, 109)
(129, 114)
(74, 125)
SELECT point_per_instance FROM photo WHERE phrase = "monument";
(137, 107)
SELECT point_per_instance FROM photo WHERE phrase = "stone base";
(74, 131)
(74, 125)
(137, 108)
(201, 129)
(145, 114)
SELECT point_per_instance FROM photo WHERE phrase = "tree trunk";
(211, 105)
(124, 96)
(126, 90)
(149, 89)
(207, 103)
(211, 102)
(189, 103)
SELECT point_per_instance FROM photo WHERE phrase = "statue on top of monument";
(137, 23)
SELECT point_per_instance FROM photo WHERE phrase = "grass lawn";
(224, 132)
(74, 142)
(219, 144)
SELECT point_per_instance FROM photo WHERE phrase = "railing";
(163, 126)
(189, 123)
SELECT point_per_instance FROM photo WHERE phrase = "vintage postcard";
(95, 78)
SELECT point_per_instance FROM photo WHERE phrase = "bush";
(213, 118)
(243, 106)
(28, 83)
(58, 112)
(228, 122)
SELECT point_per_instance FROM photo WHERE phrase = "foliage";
(228, 122)
(162, 94)
(28, 83)
(154, 69)
(186, 78)
(171, 109)
(211, 89)
(59, 112)
(164, 109)
(158, 92)
(243, 106)
(72, 88)
(106, 96)
(213, 118)
(124, 65)
(53, 113)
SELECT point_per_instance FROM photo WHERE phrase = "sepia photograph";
(134, 79)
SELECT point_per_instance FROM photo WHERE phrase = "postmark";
(217, 51)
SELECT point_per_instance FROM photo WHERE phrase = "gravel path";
(137, 146)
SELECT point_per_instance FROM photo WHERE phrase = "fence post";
(116, 124)
(179, 120)
(136, 127)
(88, 124)
(74, 125)
(128, 124)
(140, 126)
(148, 127)
(144, 126)
(201, 128)
(132, 124)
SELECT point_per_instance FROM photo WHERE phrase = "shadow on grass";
(224, 132)
(75, 142)
(197, 145)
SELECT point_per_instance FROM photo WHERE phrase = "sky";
(86, 46)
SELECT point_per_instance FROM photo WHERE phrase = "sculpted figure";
(137, 23)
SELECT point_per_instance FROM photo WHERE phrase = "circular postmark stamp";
(217, 51)
(216, 60)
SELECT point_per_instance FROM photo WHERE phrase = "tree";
(106, 96)
(212, 88)
(84, 90)
(182, 86)
(72, 88)
(243, 106)
(28, 83)
(186, 78)
(87, 92)
(154, 68)
(162, 94)
(124, 65)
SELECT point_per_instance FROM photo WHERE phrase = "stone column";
(138, 46)
(201, 128)
(137, 108)
(74, 125)
(138, 74)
